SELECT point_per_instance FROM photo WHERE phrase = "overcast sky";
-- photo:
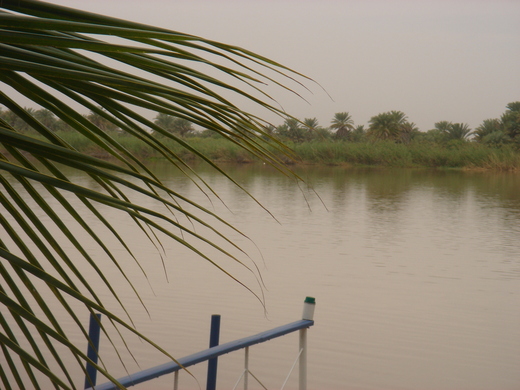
(434, 60)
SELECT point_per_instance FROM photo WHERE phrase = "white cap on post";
(308, 308)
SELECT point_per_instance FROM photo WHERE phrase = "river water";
(416, 275)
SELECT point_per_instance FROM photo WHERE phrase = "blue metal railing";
(214, 337)
(215, 352)
(93, 348)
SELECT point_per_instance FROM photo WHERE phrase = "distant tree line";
(395, 126)
(389, 126)
(49, 120)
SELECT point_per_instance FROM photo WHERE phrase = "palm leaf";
(57, 58)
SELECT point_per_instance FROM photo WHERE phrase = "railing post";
(246, 368)
(303, 360)
(214, 334)
(92, 350)
(175, 380)
(308, 314)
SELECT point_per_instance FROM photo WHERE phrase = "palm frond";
(66, 61)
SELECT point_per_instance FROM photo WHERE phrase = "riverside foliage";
(389, 141)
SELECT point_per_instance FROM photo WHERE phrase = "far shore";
(456, 155)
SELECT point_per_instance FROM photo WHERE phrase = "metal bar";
(258, 380)
(211, 383)
(176, 380)
(303, 360)
(239, 379)
(207, 354)
(291, 370)
(309, 305)
(92, 351)
(246, 368)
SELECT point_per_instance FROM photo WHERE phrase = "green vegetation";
(390, 140)
(415, 154)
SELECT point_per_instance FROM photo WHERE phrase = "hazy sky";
(434, 60)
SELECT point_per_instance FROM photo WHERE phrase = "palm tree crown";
(343, 124)
(387, 125)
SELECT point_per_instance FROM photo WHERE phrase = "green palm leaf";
(57, 58)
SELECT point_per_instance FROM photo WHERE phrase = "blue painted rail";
(216, 351)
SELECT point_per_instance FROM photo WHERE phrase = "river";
(416, 275)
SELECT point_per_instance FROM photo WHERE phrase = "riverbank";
(461, 155)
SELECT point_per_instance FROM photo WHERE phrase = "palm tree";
(291, 129)
(511, 121)
(311, 124)
(408, 131)
(282, 131)
(313, 128)
(487, 127)
(443, 126)
(183, 126)
(14, 120)
(452, 131)
(47, 118)
(387, 125)
(343, 124)
(173, 124)
(359, 133)
(296, 131)
(99, 119)
(441, 132)
(164, 121)
(315, 131)
(45, 59)
(459, 131)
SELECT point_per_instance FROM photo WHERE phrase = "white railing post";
(308, 314)
(246, 367)
(176, 380)
(303, 360)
